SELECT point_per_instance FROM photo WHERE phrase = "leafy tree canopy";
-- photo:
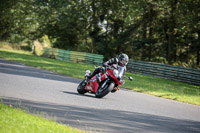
(166, 31)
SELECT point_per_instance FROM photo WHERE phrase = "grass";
(165, 88)
(146, 84)
(70, 69)
(14, 120)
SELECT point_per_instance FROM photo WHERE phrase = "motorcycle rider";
(119, 63)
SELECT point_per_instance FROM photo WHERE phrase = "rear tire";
(101, 92)
(81, 87)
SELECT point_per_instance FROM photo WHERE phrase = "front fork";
(113, 90)
(102, 86)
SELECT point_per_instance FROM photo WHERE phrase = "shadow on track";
(14, 68)
(76, 93)
(106, 120)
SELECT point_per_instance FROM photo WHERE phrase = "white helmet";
(123, 59)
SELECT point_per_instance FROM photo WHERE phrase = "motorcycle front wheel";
(102, 91)
(81, 87)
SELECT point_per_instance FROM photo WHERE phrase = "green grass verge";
(155, 86)
(14, 120)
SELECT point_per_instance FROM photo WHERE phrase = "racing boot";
(88, 77)
(114, 90)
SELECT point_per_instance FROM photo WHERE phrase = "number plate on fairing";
(88, 87)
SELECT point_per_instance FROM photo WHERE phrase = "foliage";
(165, 31)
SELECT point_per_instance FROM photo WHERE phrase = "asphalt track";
(55, 97)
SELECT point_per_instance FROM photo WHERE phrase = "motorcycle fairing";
(94, 82)
(93, 86)
(110, 72)
(102, 76)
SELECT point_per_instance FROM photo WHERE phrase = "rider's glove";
(101, 69)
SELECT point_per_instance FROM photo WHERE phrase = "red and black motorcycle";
(103, 83)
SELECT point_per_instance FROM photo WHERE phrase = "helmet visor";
(124, 62)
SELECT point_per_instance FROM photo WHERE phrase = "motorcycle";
(102, 83)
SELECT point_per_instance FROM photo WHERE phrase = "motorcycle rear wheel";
(101, 92)
(81, 87)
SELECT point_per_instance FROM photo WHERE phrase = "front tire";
(101, 92)
(81, 87)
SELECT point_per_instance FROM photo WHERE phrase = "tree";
(151, 30)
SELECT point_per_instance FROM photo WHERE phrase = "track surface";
(54, 97)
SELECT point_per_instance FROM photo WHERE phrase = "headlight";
(116, 73)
